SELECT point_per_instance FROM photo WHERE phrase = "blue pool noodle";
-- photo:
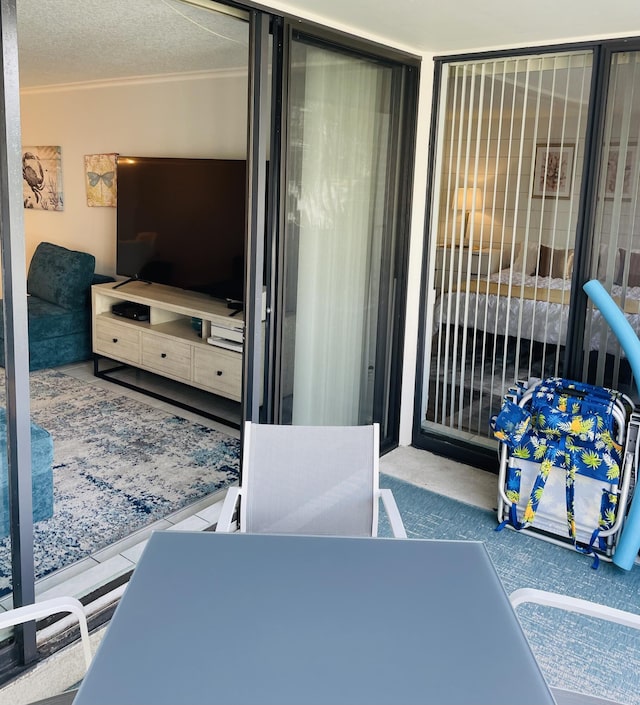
(629, 544)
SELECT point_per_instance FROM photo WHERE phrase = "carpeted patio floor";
(576, 653)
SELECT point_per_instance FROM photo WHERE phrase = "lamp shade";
(468, 198)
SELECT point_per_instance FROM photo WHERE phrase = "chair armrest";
(391, 508)
(574, 604)
(46, 608)
(228, 509)
(570, 697)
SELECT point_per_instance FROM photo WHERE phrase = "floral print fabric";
(568, 425)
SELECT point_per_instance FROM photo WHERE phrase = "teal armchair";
(59, 306)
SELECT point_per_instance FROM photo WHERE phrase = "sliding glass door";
(344, 235)
(508, 184)
(536, 190)
(203, 115)
(615, 259)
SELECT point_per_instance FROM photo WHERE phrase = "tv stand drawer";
(171, 357)
(117, 340)
(219, 371)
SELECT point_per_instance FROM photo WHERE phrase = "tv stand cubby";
(171, 343)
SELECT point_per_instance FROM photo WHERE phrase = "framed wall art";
(100, 178)
(611, 175)
(42, 178)
(553, 171)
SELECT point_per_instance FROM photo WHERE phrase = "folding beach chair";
(568, 461)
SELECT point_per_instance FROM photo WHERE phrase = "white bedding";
(528, 307)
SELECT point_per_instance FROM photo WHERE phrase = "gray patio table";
(241, 619)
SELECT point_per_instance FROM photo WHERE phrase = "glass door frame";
(406, 78)
(460, 449)
(603, 60)
(24, 649)
(14, 302)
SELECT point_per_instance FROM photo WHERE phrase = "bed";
(528, 306)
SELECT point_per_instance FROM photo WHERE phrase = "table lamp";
(467, 200)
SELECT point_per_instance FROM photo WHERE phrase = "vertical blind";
(508, 175)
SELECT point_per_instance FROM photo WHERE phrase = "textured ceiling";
(445, 26)
(67, 41)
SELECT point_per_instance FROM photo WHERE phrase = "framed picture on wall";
(553, 170)
(611, 175)
(100, 173)
(42, 178)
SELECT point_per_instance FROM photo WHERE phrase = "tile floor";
(66, 667)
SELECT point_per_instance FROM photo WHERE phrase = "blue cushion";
(52, 352)
(57, 336)
(60, 276)
(41, 474)
(47, 320)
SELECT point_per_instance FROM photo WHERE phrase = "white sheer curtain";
(338, 145)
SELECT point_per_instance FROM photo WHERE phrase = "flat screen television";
(181, 222)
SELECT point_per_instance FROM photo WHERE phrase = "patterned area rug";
(118, 466)
(576, 653)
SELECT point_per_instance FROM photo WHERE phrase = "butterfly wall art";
(100, 173)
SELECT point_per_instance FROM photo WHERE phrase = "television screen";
(181, 222)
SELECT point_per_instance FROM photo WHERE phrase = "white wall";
(197, 116)
(416, 251)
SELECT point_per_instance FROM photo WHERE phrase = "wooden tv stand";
(168, 344)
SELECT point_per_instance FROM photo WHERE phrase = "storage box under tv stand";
(168, 344)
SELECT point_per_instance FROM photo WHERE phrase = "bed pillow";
(555, 263)
(603, 262)
(634, 268)
(526, 259)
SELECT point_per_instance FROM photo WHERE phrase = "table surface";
(297, 620)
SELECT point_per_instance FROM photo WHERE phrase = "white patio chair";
(314, 480)
(580, 606)
(46, 608)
